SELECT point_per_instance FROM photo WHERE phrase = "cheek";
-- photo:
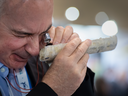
(15, 43)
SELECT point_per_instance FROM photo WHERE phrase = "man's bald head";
(1, 6)
(7, 5)
(23, 24)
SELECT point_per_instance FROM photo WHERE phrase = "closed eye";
(21, 34)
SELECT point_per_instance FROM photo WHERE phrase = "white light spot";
(101, 17)
(110, 28)
(72, 13)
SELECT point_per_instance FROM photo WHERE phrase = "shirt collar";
(4, 71)
(1, 65)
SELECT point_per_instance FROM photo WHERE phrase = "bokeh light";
(110, 28)
(72, 13)
(101, 17)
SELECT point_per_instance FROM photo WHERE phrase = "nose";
(32, 46)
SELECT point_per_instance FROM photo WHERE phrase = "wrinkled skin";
(22, 27)
(69, 68)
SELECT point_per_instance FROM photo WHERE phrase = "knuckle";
(52, 28)
(76, 72)
(59, 28)
(75, 42)
(69, 28)
(75, 35)
(81, 50)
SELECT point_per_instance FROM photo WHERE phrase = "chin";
(18, 65)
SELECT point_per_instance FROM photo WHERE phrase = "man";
(23, 24)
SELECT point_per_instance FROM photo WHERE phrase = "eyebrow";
(27, 33)
(47, 28)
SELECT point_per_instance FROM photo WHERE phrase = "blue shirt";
(5, 88)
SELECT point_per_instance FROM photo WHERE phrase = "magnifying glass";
(47, 38)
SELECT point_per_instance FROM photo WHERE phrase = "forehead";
(26, 6)
(29, 12)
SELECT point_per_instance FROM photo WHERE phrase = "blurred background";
(94, 19)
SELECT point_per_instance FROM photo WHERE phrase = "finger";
(81, 49)
(67, 34)
(83, 61)
(74, 35)
(71, 47)
(58, 35)
(51, 32)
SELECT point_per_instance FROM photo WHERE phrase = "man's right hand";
(68, 70)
